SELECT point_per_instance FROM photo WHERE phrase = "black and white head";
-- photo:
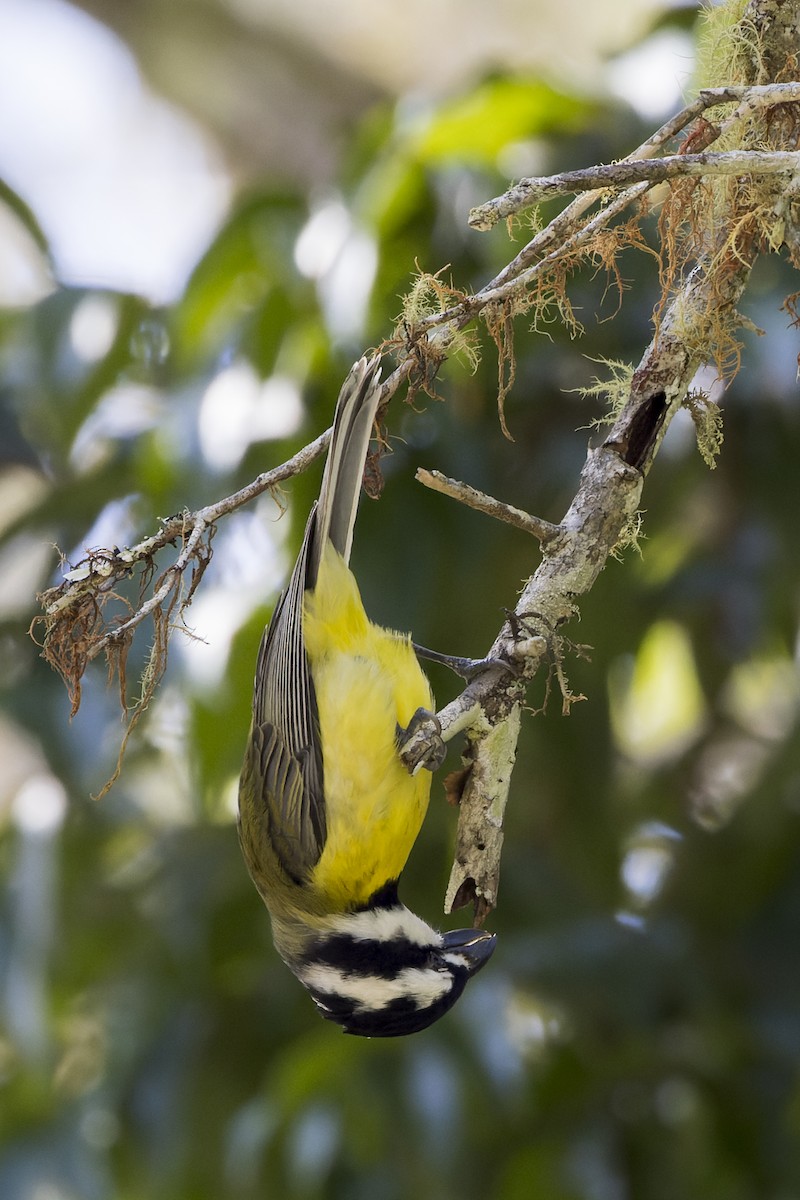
(383, 972)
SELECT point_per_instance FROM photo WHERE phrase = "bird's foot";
(467, 668)
(421, 744)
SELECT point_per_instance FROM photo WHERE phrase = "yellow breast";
(368, 682)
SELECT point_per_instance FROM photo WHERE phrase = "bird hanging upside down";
(328, 812)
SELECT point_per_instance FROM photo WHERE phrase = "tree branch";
(658, 170)
(523, 194)
(75, 631)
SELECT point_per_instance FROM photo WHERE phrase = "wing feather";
(286, 729)
(284, 760)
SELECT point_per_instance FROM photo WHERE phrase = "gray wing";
(284, 761)
(286, 749)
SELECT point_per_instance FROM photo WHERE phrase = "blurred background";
(208, 209)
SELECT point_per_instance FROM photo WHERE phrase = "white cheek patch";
(458, 960)
(370, 993)
(387, 925)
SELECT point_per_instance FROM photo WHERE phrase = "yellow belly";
(368, 682)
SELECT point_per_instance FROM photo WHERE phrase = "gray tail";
(344, 468)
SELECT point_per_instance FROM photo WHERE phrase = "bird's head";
(383, 972)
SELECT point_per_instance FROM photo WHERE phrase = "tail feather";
(344, 468)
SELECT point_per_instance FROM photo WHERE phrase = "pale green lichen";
(614, 390)
(707, 417)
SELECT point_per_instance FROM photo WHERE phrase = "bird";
(328, 810)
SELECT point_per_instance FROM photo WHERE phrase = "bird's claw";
(421, 744)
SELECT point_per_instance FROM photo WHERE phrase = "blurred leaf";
(391, 192)
(659, 708)
(61, 388)
(271, 320)
(219, 753)
(26, 216)
(476, 127)
(251, 254)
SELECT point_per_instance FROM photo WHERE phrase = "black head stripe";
(367, 956)
(398, 1018)
(384, 897)
(333, 1006)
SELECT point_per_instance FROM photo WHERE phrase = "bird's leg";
(467, 668)
(421, 744)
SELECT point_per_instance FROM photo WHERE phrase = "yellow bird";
(328, 812)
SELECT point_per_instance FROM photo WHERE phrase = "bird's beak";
(472, 948)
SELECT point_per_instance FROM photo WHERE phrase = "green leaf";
(474, 128)
(25, 215)
(252, 254)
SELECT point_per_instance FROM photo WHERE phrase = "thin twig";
(543, 531)
(496, 292)
(100, 570)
